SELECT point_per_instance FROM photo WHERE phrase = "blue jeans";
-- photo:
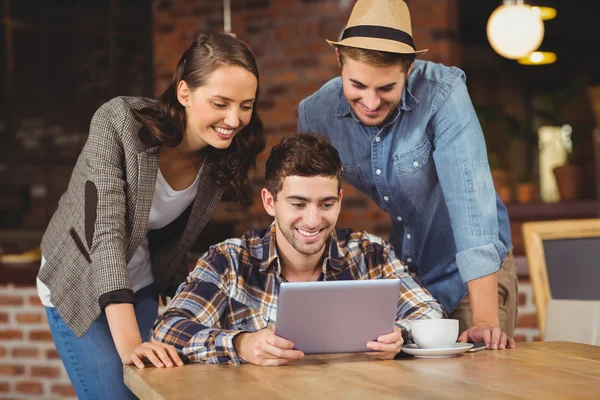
(92, 362)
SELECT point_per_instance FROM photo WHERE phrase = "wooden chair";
(534, 234)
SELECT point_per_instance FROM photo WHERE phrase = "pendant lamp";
(514, 29)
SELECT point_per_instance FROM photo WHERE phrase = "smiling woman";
(145, 185)
(210, 100)
(220, 110)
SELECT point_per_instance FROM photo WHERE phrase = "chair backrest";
(564, 261)
(573, 321)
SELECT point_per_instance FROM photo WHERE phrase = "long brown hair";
(166, 122)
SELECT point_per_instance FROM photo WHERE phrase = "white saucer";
(456, 349)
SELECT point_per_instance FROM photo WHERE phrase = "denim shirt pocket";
(351, 174)
(416, 172)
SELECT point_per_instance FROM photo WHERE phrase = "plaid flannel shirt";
(235, 286)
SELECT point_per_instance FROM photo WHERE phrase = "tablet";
(336, 316)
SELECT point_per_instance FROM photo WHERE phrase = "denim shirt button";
(399, 218)
(377, 139)
(416, 164)
(386, 198)
(408, 235)
(378, 172)
(409, 260)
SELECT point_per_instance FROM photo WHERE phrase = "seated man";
(225, 312)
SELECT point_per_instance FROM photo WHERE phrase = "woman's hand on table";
(159, 354)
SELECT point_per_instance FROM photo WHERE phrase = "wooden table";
(541, 370)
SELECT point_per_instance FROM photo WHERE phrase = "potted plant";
(527, 187)
(569, 178)
(526, 190)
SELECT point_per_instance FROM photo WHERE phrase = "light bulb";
(538, 58)
(515, 30)
(545, 13)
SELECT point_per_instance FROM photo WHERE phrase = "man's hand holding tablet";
(265, 348)
(387, 346)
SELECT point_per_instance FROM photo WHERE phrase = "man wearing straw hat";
(408, 137)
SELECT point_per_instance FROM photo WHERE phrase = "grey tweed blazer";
(101, 220)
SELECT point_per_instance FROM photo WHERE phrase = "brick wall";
(527, 324)
(29, 364)
(288, 39)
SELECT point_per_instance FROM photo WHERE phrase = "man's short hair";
(375, 57)
(303, 154)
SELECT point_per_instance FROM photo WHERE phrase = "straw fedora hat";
(382, 25)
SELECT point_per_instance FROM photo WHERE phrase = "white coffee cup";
(434, 333)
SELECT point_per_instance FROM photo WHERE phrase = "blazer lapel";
(146, 184)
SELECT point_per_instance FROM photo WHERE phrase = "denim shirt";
(427, 168)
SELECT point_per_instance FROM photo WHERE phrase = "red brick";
(52, 355)
(10, 334)
(537, 338)
(522, 299)
(63, 390)
(274, 64)
(527, 321)
(25, 352)
(29, 318)
(3, 351)
(284, 77)
(3, 318)
(40, 336)
(319, 74)
(11, 300)
(35, 301)
(49, 372)
(29, 387)
(4, 387)
(12, 370)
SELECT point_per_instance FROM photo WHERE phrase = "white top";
(167, 205)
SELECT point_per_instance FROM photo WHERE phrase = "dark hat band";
(379, 32)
